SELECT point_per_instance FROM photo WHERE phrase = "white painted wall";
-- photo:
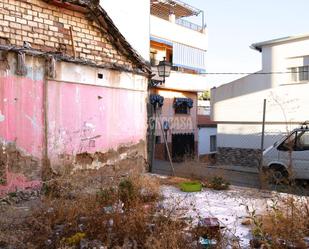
(203, 107)
(184, 81)
(173, 32)
(132, 19)
(204, 134)
(242, 100)
(82, 74)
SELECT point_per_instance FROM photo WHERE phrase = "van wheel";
(278, 174)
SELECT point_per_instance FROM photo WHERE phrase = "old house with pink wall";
(73, 92)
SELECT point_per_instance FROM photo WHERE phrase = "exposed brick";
(27, 17)
(32, 24)
(38, 19)
(9, 18)
(4, 23)
(49, 44)
(49, 22)
(21, 21)
(46, 26)
(44, 16)
(15, 25)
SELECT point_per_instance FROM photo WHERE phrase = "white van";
(292, 150)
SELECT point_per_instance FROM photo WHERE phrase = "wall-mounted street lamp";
(164, 69)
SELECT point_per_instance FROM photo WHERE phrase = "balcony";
(189, 25)
(172, 20)
(169, 31)
(182, 81)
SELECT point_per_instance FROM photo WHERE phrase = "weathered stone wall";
(238, 157)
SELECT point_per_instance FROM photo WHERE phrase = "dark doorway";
(182, 146)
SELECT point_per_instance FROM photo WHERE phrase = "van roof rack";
(305, 125)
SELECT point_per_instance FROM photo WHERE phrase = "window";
(302, 142)
(213, 143)
(182, 109)
(288, 143)
(299, 74)
(183, 105)
(298, 141)
(294, 74)
(303, 73)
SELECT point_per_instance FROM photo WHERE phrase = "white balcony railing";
(171, 31)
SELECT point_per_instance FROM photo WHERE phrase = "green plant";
(12, 194)
(107, 196)
(218, 183)
(75, 239)
(2, 181)
(127, 191)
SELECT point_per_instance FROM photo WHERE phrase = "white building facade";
(237, 107)
(183, 43)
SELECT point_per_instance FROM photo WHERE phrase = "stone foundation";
(238, 157)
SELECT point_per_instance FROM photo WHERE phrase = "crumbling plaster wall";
(100, 111)
(94, 118)
(21, 122)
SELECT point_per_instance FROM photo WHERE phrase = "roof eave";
(119, 41)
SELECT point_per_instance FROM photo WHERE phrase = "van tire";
(278, 174)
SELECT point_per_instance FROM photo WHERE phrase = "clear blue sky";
(233, 25)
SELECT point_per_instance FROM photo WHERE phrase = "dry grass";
(285, 223)
(123, 215)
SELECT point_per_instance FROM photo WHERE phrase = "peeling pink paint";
(92, 118)
(81, 118)
(21, 104)
(18, 182)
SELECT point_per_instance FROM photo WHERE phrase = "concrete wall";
(90, 122)
(173, 32)
(132, 19)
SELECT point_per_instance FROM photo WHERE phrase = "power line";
(256, 73)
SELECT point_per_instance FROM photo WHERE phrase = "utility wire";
(262, 73)
(257, 73)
